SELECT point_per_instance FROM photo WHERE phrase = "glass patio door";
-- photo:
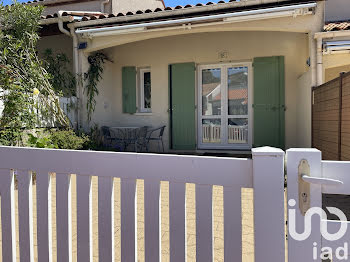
(224, 107)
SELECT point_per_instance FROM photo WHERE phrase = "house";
(55, 35)
(334, 41)
(225, 76)
(57, 10)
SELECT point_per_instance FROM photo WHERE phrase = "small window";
(145, 88)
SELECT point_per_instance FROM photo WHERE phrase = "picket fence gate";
(264, 173)
(324, 177)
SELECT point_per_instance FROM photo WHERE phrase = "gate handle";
(321, 181)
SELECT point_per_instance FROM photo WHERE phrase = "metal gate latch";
(304, 187)
(304, 180)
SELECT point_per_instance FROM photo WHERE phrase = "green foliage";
(93, 76)
(62, 79)
(95, 138)
(10, 137)
(23, 79)
(40, 142)
(68, 139)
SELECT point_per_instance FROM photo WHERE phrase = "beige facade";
(290, 37)
(241, 42)
(201, 48)
(58, 44)
(334, 64)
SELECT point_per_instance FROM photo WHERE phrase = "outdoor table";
(126, 135)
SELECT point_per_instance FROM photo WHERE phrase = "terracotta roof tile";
(337, 26)
(168, 8)
(87, 17)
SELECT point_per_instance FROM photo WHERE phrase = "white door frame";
(224, 104)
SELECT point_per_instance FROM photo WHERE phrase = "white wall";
(199, 48)
(337, 10)
(114, 6)
(82, 6)
(123, 6)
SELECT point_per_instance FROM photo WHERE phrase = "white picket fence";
(308, 177)
(68, 105)
(264, 173)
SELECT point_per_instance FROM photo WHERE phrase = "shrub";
(68, 139)
(95, 139)
(40, 142)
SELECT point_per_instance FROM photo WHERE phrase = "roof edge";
(186, 11)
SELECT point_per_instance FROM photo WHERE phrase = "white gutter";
(336, 49)
(177, 12)
(337, 43)
(190, 26)
(224, 17)
(319, 38)
(60, 24)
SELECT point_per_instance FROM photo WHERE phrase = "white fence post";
(303, 250)
(8, 220)
(268, 182)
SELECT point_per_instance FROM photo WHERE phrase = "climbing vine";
(62, 79)
(25, 90)
(92, 77)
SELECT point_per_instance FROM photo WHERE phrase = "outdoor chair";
(110, 140)
(106, 135)
(156, 135)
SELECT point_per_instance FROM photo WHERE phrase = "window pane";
(147, 89)
(211, 92)
(238, 91)
(211, 131)
(238, 131)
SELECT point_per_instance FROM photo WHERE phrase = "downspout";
(319, 61)
(72, 34)
(76, 72)
(75, 55)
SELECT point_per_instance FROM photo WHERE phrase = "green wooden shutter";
(182, 104)
(269, 105)
(129, 89)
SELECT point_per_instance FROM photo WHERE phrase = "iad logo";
(323, 225)
(326, 252)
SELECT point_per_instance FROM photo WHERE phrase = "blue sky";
(167, 2)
